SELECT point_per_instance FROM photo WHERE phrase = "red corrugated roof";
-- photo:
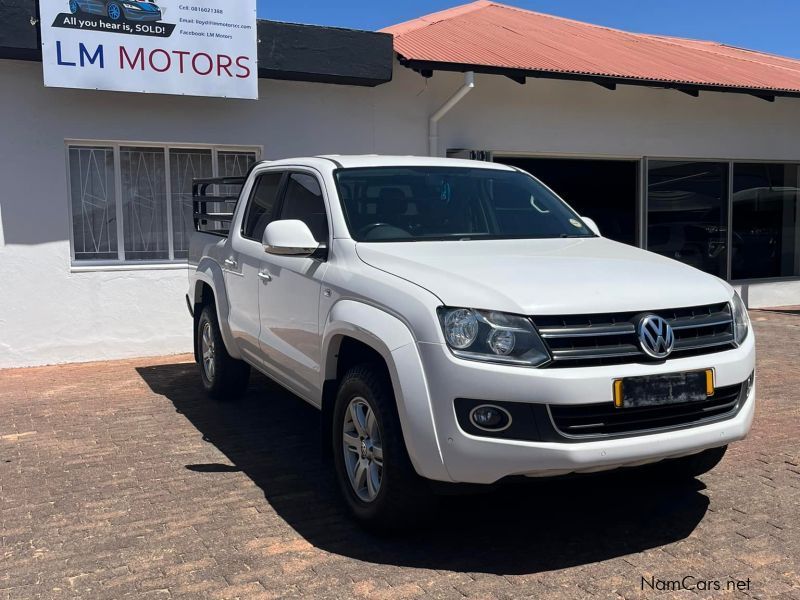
(490, 34)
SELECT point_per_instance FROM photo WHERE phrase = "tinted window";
(304, 202)
(430, 203)
(262, 205)
(765, 207)
(687, 213)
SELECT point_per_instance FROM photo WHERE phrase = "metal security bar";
(213, 213)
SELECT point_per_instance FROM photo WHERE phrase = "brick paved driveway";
(120, 479)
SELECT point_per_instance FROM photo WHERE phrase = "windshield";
(402, 204)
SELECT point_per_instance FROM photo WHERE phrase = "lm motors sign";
(187, 47)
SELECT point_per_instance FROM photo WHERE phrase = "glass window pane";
(144, 203)
(235, 164)
(184, 166)
(262, 205)
(93, 198)
(303, 201)
(766, 237)
(687, 213)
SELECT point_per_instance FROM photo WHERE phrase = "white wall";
(564, 117)
(49, 314)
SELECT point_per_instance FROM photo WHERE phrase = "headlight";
(490, 336)
(741, 321)
(461, 328)
(132, 6)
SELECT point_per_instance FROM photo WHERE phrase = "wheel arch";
(358, 332)
(208, 285)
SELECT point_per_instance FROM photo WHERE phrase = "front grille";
(609, 339)
(597, 420)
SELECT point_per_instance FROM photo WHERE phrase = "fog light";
(490, 418)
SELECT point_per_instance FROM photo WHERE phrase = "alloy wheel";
(363, 449)
(207, 350)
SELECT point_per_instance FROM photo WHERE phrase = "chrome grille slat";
(607, 352)
(562, 332)
(598, 339)
(689, 344)
(699, 322)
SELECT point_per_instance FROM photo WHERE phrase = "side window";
(304, 201)
(261, 209)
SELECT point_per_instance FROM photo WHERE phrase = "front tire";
(74, 7)
(224, 378)
(375, 474)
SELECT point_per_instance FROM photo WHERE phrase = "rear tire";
(688, 467)
(224, 378)
(375, 475)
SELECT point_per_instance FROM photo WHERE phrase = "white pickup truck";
(456, 321)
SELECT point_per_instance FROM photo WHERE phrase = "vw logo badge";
(656, 336)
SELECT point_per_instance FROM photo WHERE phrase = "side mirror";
(592, 225)
(289, 238)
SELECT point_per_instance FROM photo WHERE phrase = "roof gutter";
(433, 122)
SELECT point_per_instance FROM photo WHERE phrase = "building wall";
(50, 313)
(564, 117)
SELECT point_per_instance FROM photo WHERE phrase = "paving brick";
(120, 479)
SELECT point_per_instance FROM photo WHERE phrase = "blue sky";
(768, 25)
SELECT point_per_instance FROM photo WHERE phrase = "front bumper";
(475, 459)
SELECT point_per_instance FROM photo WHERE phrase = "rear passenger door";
(290, 292)
(244, 264)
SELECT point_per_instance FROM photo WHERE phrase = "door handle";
(229, 262)
(264, 276)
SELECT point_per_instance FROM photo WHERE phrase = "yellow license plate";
(662, 390)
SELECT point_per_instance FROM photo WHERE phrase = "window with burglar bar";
(132, 203)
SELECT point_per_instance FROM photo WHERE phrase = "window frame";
(121, 263)
(732, 183)
(727, 205)
(731, 163)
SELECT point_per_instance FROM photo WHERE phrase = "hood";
(552, 276)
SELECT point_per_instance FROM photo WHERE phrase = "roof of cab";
(375, 160)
